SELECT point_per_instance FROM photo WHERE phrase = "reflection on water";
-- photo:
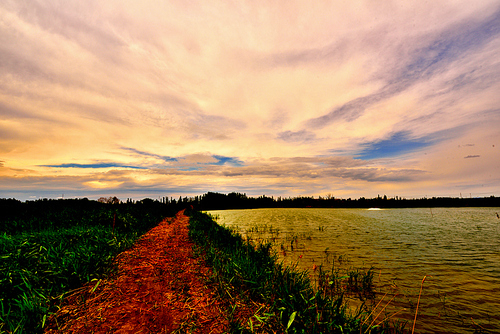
(458, 249)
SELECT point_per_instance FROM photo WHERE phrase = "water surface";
(456, 249)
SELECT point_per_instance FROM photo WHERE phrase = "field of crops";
(50, 247)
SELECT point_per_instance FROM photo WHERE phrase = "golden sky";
(283, 98)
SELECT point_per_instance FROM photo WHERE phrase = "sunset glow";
(142, 99)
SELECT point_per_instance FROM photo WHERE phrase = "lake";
(456, 249)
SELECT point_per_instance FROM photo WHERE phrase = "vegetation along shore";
(60, 257)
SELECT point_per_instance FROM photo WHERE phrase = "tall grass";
(295, 305)
(51, 247)
(36, 269)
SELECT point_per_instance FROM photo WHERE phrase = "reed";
(418, 302)
(252, 273)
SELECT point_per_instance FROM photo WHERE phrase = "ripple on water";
(458, 248)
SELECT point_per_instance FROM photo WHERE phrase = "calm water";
(458, 249)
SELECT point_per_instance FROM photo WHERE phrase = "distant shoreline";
(220, 201)
(217, 201)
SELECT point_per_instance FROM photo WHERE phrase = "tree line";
(219, 201)
(234, 200)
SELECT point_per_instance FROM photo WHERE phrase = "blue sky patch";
(398, 144)
(222, 160)
(96, 165)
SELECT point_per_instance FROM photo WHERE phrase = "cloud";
(321, 168)
(455, 42)
(431, 58)
(147, 154)
(188, 162)
(204, 126)
(334, 52)
(292, 98)
(93, 165)
(201, 162)
(348, 112)
(298, 136)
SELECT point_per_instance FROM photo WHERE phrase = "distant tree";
(109, 200)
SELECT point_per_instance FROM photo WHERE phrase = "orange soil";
(159, 288)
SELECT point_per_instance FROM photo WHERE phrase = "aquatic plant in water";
(247, 271)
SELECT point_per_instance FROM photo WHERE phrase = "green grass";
(36, 269)
(244, 271)
(49, 248)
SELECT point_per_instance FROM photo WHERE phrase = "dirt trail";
(159, 288)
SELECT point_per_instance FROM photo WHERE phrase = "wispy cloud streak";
(434, 57)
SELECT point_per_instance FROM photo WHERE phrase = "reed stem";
(418, 302)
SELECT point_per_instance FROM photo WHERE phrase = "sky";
(173, 98)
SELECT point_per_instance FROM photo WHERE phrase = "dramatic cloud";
(151, 98)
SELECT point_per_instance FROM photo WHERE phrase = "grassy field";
(250, 273)
(48, 248)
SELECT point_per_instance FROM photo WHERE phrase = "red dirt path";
(159, 288)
